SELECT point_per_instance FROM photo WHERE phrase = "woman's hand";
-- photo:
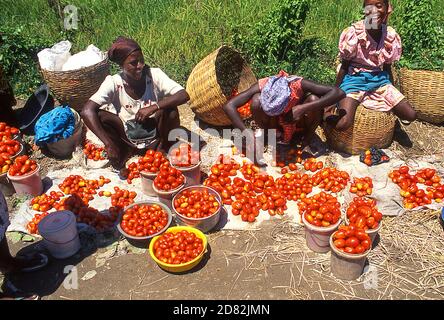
(144, 113)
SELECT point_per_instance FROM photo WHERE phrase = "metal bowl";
(147, 202)
(203, 224)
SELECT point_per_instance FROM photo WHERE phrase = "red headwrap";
(121, 48)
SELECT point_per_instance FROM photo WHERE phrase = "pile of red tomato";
(313, 165)
(7, 132)
(5, 163)
(9, 147)
(412, 194)
(168, 178)
(320, 210)
(94, 152)
(219, 178)
(362, 186)
(363, 213)
(32, 225)
(86, 214)
(351, 240)
(184, 156)
(177, 248)
(331, 179)
(291, 157)
(197, 203)
(244, 110)
(85, 189)
(22, 165)
(294, 186)
(150, 162)
(120, 198)
(46, 202)
(144, 220)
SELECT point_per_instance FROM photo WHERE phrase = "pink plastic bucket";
(30, 183)
(346, 266)
(318, 238)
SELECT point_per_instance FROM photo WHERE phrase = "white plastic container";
(60, 235)
(318, 238)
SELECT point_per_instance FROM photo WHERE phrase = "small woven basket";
(370, 129)
(212, 81)
(75, 87)
(425, 91)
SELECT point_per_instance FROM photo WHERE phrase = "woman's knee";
(344, 123)
(311, 98)
(405, 111)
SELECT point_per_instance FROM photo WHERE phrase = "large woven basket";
(75, 87)
(212, 81)
(425, 91)
(370, 129)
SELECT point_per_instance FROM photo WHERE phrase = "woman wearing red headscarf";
(134, 107)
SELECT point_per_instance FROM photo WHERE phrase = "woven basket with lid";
(212, 81)
(75, 87)
(425, 91)
(370, 129)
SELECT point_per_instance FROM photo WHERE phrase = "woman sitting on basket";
(290, 104)
(135, 107)
(367, 49)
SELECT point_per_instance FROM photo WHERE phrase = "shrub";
(422, 36)
(18, 57)
(276, 43)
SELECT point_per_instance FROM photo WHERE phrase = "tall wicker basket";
(425, 91)
(212, 81)
(370, 129)
(77, 86)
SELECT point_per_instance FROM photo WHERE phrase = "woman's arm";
(388, 68)
(343, 70)
(328, 96)
(172, 101)
(90, 115)
(231, 106)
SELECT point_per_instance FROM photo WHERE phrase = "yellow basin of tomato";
(178, 268)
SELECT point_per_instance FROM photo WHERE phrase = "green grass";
(174, 34)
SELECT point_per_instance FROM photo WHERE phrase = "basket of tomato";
(198, 207)
(321, 216)
(179, 249)
(363, 214)
(350, 247)
(167, 183)
(25, 177)
(187, 160)
(147, 168)
(142, 221)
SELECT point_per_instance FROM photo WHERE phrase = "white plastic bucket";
(147, 180)
(346, 266)
(65, 147)
(30, 183)
(166, 197)
(318, 238)
(60, 235)
(192, 174)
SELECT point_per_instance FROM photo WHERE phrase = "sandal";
(18, 294)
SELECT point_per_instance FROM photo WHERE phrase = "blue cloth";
(276, 94)
(364, 81)
(55, 125)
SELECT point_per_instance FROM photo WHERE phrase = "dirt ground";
(271, 262)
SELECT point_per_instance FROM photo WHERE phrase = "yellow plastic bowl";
(183, 266)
